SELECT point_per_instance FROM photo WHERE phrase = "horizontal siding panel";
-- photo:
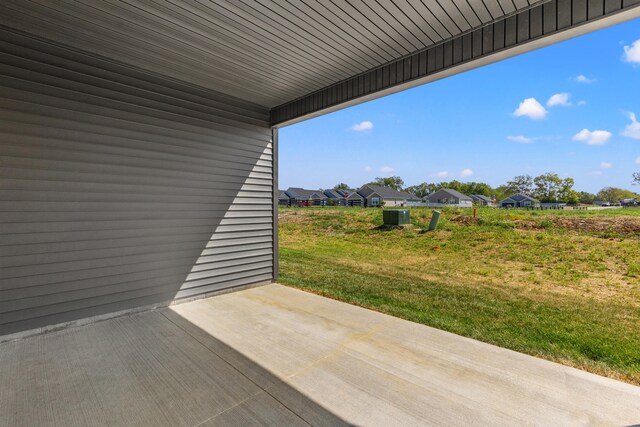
(151, 214)
(111, 187)
(86, 309)
(124, 192)
(35, 168)
(141, 257)
(196, 286)
(10, 240)
(59, 121)
(48, 249)
(48, 292)
(89, 157)
(207, 255)
(103, 145)
(216, 197)
(213, 284)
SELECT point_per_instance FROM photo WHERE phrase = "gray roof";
(519, 197)
(458, 195)
(482, 197)
(333, 194)
(304, 193)
(388, 193)
(355, 195)
(345, 193)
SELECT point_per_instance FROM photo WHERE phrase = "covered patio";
(273, 355)
(138, 169)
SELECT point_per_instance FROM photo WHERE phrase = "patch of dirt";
(465, 220)
(619, 224)
(527, 224)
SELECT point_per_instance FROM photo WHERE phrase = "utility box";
(396, 217)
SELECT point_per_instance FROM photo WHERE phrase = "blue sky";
(483, 126)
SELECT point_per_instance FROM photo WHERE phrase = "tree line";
(548, 188)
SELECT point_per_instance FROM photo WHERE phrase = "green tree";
(394, 182)
(572, 198)
(422, 190)
(520, 184)
(567, 194)
(502, 192)
(470, 188)
(613, 194)
(454, 185)
(586, 197)
(549, 187)
(341, 186)
(636, 177)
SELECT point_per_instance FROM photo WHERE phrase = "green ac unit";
(396, 217)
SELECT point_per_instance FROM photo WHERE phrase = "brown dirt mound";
(619, 225)
(464, 220)
(527, 224)
(622, 225)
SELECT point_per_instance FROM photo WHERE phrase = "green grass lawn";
(561, 285)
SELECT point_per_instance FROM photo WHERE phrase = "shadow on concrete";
(285, 404)
(152, 368)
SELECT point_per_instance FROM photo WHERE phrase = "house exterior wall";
(120, 189)
(442, 198)
(518, 204)
(394, 203)
(355, 201)
(460, 204)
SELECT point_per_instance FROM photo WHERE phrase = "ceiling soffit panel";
(535, 26)
(264, 51)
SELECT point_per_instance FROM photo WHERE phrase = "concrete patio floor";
(277, 356)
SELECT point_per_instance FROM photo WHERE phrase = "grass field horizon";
(561, 285)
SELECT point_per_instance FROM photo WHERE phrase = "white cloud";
(606, 165)
(531, 108)
(595, 173)
(521, 139)
(584, 79)
(583, 102)
(632, 53)
(596, 137)
(442, 174)
(466, 173)
(387, 169)
(559, 99)
(637, 160)
(632, 130)
(362, 126)
(368, 169)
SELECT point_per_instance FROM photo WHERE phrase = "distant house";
(283, 199)
(355, 199)
(482, 200)
(303, 197)
(630, 202)
(377, 195)
(448, 197)
(335, 198)
(345, 193)
(519, 200)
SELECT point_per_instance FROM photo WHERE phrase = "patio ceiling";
(299, 57)
(269, 52)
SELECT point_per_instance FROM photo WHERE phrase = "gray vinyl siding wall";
(120, 189)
